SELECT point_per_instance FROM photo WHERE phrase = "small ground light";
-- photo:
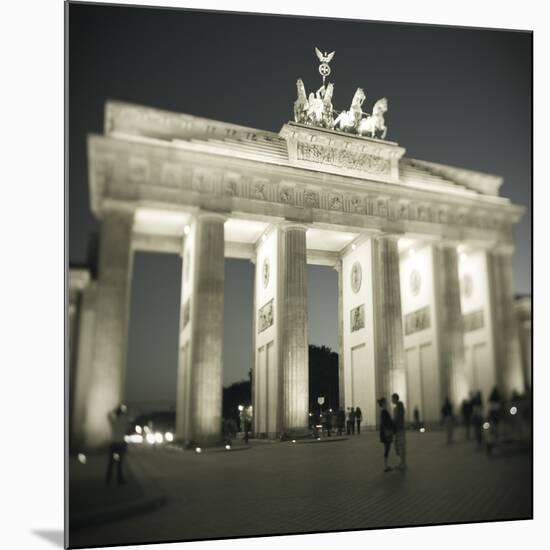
(169, 436)
(228, 447)
(138, 429)
(116, 457)
(150, 438)
(241, 408)
(318, 439)
(422, 430)
(293, 441)
(82, 458)
(158, 437)
(513, 410)
(198, 450)
(486, 425)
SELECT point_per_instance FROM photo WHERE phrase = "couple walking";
(390, 428)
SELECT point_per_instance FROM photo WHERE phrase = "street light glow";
(169, 436)
(486, 425)
(513, 411)
(82, 458)
(198, 450)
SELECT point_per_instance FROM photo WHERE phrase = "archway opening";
(152, 355)
(323, 338)
(238, 337)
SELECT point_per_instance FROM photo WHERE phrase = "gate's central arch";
(209, 190)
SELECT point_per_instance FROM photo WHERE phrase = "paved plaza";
(281, 488)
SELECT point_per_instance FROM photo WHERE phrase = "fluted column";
(294, 330)
(206, 339)
(505, 328)
(388, 329)
(341, 379)
(450, 323)
(107, 377)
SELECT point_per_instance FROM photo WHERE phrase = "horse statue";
(301, 104)
(328, 115)
(375, 123)
(348, 121)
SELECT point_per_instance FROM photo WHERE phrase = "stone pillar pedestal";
(107, 376)
(505, 328)
(388, 329)
(295, 361)
(200, 370)
(453, 378)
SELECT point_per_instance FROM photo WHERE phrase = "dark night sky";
(456, 96)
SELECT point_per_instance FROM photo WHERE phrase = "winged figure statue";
(324, 58)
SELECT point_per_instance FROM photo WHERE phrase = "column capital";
(388, 236)
(287, 225)
(210, 215)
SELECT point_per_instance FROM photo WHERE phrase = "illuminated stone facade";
(423, 253)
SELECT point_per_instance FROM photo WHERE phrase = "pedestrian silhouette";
(466, 410)
(358, 418)
(448, 419)
(477, 418)
(416, 418)
(399, 425)
(118, 446)
(387, 430)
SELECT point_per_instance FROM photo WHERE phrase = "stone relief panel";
(265, 316)
(415, 282)
(171, 175)
(423, 213)
(467, 285)
(357, 318)
(139, 170)
(417, 321)
(286, 194)
(356, 204)
(230, 184)
(265, 272)
(335, 201)
(382, 207)
(356, 277)
(311, 199)
(343, 158)
(473, 321)
(403, 211)
(259, 189)
(185, 315)
(442, 216)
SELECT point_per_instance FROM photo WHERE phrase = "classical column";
(206, 328)
(106, 383)
(505, 328)
(341, 379)
(388, 326)
(294, 330)
(450, 323)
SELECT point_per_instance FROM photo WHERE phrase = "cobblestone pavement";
(319, 486)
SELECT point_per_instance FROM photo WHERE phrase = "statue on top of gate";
(316, 109)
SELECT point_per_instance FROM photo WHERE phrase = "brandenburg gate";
(423, 253)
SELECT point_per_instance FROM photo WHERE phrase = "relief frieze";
(343, 158)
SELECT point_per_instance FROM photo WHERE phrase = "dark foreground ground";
(281, 488)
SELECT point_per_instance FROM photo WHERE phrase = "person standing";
(416, 417)
(467, 415)
(387, 430)
(448, 419)
(399, 426)
(341, 419)
(358, 418)
(118, 446)
(477, 418)
(352, 419)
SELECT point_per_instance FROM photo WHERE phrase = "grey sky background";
(456, 96)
